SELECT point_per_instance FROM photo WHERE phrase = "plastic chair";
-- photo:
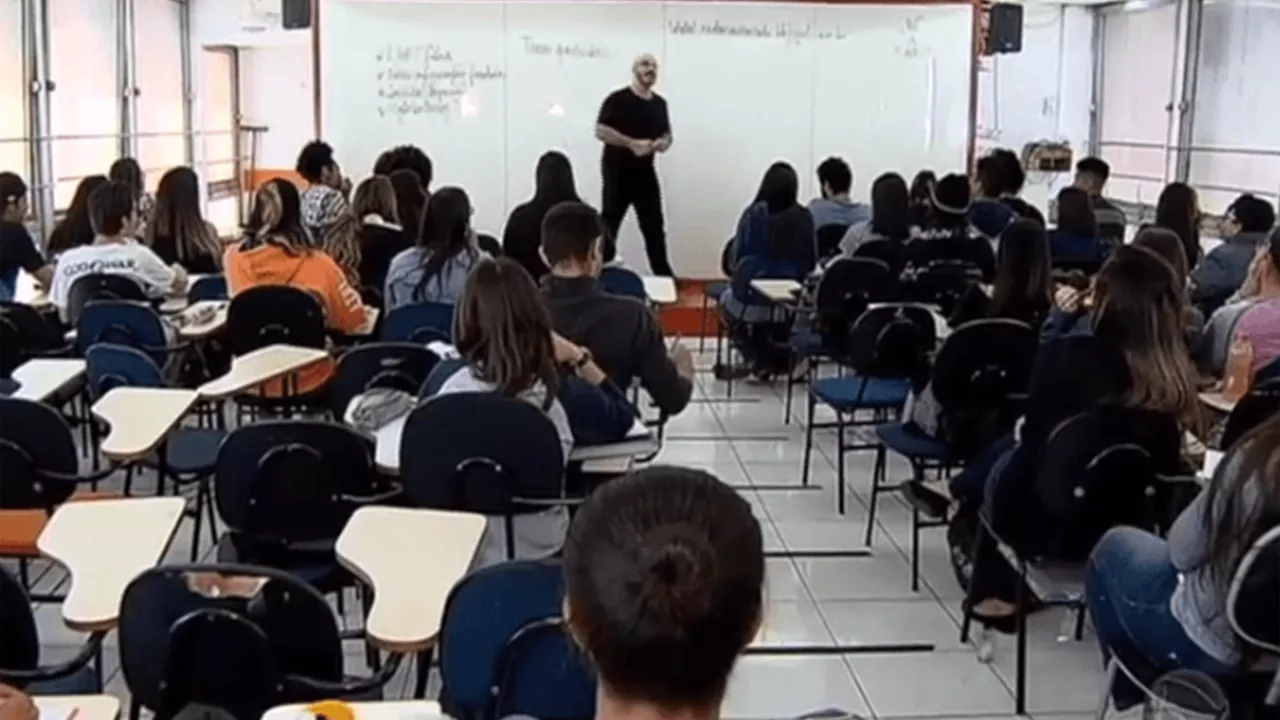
(210, 287)
(100, 286)
(419, 323)
(828, 239)
(1261, 403)
(504, 650)
(20, 652)
(395, 366)
(275, 315)
(621, 281)
(126, 322)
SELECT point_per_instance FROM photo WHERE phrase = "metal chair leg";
(808, 443)
(840, 461)
(878, 471)
(1104, 697)
(915, 549)
(702, 338)
(1020, 691)
(423, 671)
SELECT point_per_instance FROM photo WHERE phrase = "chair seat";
(856, 393)
(908, 441)
(20, 528)
(317, 569)
(194, 450)
(81, 682)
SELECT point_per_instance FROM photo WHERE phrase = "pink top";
(1261, 325)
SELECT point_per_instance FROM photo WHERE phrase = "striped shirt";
(1260, 325)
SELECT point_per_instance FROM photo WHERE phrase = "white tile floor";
(823, 602)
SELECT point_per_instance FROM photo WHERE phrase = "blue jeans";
(1129, 583)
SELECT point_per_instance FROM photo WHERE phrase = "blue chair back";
(621, 281)
(274, 315)
(397, 366)
(111, 366)
(844, 291)
(209, 287)
(38, 456)
(889, 342)
(122, 322)
(504, 649)
(20, 650)
(419, 323)
(100, 286)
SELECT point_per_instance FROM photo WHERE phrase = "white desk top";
(82, 707)
(41, 377)
(639, 442)
(660, 289)
(779, 291)
(213, 324)
(412, 558)
(140, 417)
(1217, 401)
(259, 367)
(388, 710)
(104, 544)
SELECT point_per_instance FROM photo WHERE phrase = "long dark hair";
(1234, 516)
(503, 329)
(922, 187)
(1178, 209)
(1075, 212)
(446, 233)
(1024, 275)
(411, 200)
(890, 207)
(779, 188)
(553, 180)
(75, 229)
(177, 216)
(126, 170)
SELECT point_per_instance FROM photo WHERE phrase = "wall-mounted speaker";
(1004, 29)
(297, 14)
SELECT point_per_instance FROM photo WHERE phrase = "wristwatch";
(582, 361)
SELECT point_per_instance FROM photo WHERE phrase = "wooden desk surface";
(1217, 401)
(140, 418)
(779, 291)
(83, 707)
(212, 324)
(387, 710)
(660, 289)
(412, 558)
(261, 366)
(39, 378)
(104, 544)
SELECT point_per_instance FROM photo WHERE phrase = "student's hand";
(662, 144)
(641, 147)
(565, 351)
(683, 360)
(16, 705)
(1069, 299)
(179, 278)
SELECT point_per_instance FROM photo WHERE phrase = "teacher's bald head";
(645, 70)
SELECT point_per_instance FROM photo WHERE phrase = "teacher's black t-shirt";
(635, 117)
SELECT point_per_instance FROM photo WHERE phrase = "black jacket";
(378, 244)
(623, 335)
(522, 236)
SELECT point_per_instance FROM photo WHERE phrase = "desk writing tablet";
(104, 544)
(260, 367)
(1217, 401)
(779, 291)
(140, 417)
(659, 289)
(79, 707)
(213, 314)
(387, 710)
(412, 558)
(41, 377)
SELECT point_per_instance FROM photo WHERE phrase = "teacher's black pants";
(638, 188)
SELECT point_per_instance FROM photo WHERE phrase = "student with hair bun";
(664, 589)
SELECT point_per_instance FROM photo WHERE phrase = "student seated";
(622, 333)
(690, 555)
(75, 229)
(1135, 358)
(325, 198)
(128, 172)
(1074, 243)
(1023, 288)
(998, 178)
(17, 251)
(1260, 324)
(436, 269)
(16, 704)
(921, 194)
(502, 331)
(379, 236)
(890, 215)
(1169, 247)
(947, 234)
(522, 237)
(114, 219)
(1178, 210)
(410, 159)
(1091, 176)
(277, 251)
(1166, 598)
(779, 232)
(411, 203)
(340, 241)
(835, 207)
(178, 232)
(1225, 268)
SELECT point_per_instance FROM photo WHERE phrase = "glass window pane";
(219, 115)
(14, 95)
(158, 38)
(85, 104)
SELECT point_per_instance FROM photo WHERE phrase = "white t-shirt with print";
(128, 258)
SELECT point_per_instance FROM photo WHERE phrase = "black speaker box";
(1004, 29)
(297, 14)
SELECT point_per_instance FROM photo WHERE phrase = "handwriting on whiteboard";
(561, 50)
(788, 32)
(427, 79)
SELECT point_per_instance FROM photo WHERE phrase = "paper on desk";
(443, 350)
(58, 713)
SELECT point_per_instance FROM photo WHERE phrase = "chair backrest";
(1261, 403)
(489, 244)
(1255, 594)
(726, 258)
(111, 366)
(419, 323)
(123, 322)
(287, 484)
(889, 341)
(845, 289)
(100, 286)
(20, 650)
(621, 281)
(274, 315)
(180, 646)
(480, 452)
(985, 362)
(34, 440)
(209, 287)
(944, 282)
(396, 366)
(23, 334)
(504, 650)
(829, 237)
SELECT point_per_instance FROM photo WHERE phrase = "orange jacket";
(312, 271)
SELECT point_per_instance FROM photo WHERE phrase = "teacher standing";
(634, 126)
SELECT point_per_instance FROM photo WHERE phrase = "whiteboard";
(487, 87)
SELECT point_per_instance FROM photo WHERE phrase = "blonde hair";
(340, 241)
(276, 218)
(376, 196)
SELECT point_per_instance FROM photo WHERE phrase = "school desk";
(77, 707)
(140, 418)
(387, 710)
(260, 367)
(660, 290)
(1218, 401)
(782, 292)
(203, 319)
(40, 378)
